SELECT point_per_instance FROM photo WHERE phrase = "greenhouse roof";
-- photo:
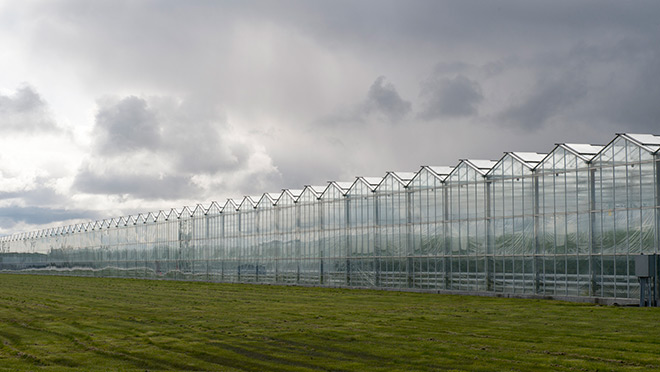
(317, 190)
(213, 208)
(294, 192)
(341, 186)
(441, 170)
(272, 195)
(530, 159)
(652, 142)
(483, 166)
(248, 201)
(267, 199)
(344, 185)
(230, 205)
(585, 151)
(185, 212)
(403, 177)
(372, 180)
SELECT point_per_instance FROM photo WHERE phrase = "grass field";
(69, 323)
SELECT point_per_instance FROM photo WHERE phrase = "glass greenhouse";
(567, 223)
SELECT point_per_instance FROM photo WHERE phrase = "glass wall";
(360, 260)
(511, 226)
(563, 224)
(333, 227)
(465, 223)
(568, 223)
(427, 216)
(624, 220)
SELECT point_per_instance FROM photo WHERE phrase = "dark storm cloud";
(39, 194)
(629, 95)
(115, 181)
(458, 96)
(508, 26)
(451, 68)
(382, 103)
(192, 136)
(384, 100)
(548, 98)
(611, 85)
(126, 126)
(641, 106)
(33, 215)
(219, 50)
(24, 111)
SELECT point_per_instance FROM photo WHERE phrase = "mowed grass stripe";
(71, 323)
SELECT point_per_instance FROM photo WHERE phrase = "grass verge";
(72, 323)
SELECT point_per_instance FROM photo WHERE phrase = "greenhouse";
(569, 222)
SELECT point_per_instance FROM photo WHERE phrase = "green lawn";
(69, 323)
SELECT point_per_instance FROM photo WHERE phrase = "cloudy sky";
(109, 108)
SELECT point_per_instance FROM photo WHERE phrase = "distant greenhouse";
(567, 224)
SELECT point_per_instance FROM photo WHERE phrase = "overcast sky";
(109, 108)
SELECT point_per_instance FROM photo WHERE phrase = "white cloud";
(169, 149)
(24, 111)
